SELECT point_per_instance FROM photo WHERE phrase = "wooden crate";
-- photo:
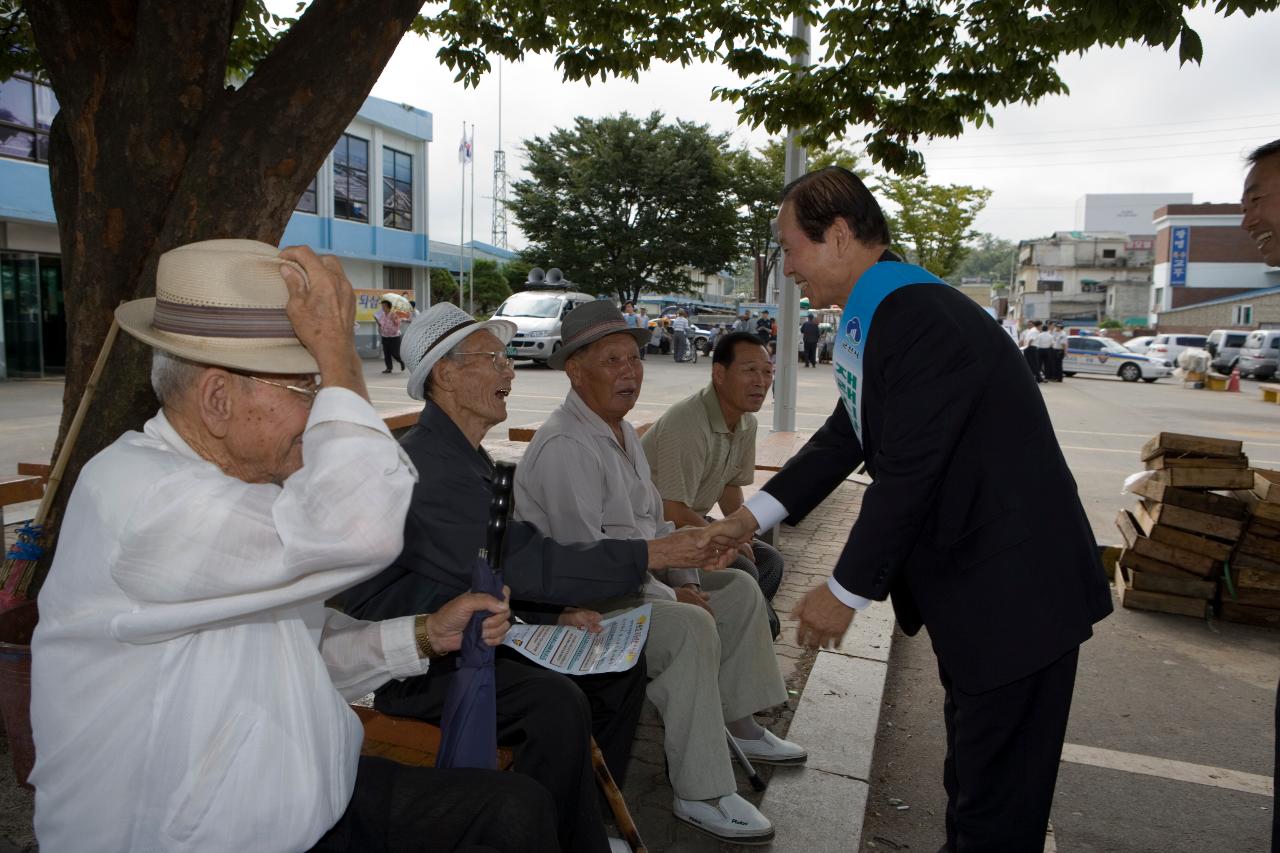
(1159, 602)
(1240, 560)
(1266, 484)
(1206, 502)
(1255, 578)
(1194, 521)
(1130, 560)
(1197, 564)
(1190, 445)
(1247, 614)
(1185, 586)
(1205, 478)
(1185, 539)
(1259, 546)
(1163, 461)
(1256, 506)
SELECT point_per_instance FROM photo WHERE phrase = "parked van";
(1169, 347)
(1261, 354)
(538, 313)
(1224, 346)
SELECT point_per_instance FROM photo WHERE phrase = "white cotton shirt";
(680, 324)
(189, 689)
(1028, 338)
(1044, 340)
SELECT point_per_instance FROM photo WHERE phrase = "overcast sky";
(1133, 122)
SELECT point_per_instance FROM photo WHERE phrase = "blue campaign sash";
(855, 327)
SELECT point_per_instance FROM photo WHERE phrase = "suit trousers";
(1003, 749)
(546, 718)
(397, 808)
(1032, 354)
(707, 670)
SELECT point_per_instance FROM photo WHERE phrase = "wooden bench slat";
(16, 490)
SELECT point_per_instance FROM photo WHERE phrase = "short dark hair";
(726, 346)
(820, 198)
(1262, 151)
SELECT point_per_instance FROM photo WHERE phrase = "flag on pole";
(464, 147)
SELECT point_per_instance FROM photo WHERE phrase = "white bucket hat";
(221, 302)
(436, 331)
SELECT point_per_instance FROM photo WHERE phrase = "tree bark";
(151, 150)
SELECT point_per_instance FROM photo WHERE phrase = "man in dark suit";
(460, 368)
(1260, 202)
(954, 526)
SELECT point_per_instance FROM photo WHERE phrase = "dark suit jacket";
(445, 530)
(973, 523)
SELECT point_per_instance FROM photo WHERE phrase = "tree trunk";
(150, 150)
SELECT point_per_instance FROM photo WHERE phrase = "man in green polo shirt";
(703, 451)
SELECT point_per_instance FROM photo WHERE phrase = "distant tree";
(932, 224)
(490, 286)
(444, 287)
(1109, 323)
(989, 257)
(625, 204)
(516, 273)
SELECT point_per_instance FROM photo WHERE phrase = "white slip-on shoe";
(617, 845)
(730, 818)
(771, 749)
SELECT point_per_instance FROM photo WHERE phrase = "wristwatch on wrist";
(425, 651)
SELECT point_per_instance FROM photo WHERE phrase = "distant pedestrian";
(764, 327)
(1059, 351)
(1044, 343)
(629, 315)
(680, 335)
(643, 323)
(809, 334)
(389, 330)
(743, 323)
(1029, 350)
(658, 337)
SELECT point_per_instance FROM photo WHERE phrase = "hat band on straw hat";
(597, 330)
(221, 321)
(447, 333)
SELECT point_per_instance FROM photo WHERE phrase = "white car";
(1139, 345)
(1169, 347)
(1105, 356)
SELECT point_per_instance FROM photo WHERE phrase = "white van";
(1225, 346)
(1261, 354)
(538, 313)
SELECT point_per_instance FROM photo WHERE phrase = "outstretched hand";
(577, 617)
(823, 619)
(691, 547)
(445, 626)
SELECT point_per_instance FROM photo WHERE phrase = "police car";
(1087, 354)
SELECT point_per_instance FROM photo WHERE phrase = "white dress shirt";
(680, 324)
(189, 688)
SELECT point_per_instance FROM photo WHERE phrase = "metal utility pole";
(785, 291)
(499, 235)
(471, 262)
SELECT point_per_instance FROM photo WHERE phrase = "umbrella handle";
(500, 505)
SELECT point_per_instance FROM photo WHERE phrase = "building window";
(397, 189)
(307, 201)
(1108, 253)
(397, 278)
(351, 178)
(1242, 315)
(27, 108)
(1047, 286)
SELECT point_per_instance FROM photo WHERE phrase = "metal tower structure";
(499, 236)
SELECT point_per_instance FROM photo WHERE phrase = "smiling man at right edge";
(937, 401)
(1261, 204)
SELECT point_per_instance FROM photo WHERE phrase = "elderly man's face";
(1261, 203)
(478, 391)
(264, 437)
(742, 386)
(607, 375)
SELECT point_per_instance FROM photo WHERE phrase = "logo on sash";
(869, 291)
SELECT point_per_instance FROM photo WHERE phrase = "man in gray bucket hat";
(710, 654)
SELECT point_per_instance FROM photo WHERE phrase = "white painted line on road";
(1165, 768)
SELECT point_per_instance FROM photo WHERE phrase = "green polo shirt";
(693, 455)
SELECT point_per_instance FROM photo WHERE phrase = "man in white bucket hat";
(189, 689)
(459, 367)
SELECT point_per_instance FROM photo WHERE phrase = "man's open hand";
(823, 619)
(577, 617)
(691, 547)
(445, 626)
(691, 593)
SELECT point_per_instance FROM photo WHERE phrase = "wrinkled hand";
(322, 309)
(691, 593)
(577, 617)
(445, 626)
(745, 549)
(823, 619)
(735, 528)
(691, 547)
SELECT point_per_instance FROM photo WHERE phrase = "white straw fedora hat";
(436, 331)
(221, 302)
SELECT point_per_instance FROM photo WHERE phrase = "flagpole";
(471, 262)
(462, 214)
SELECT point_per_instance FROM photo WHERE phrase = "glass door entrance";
(35, 325)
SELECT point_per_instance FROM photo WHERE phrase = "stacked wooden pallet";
(1251, 589)
(1182, 532)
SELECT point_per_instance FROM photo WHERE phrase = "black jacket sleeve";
(827, 458)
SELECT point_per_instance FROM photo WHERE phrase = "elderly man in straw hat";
(189, 689)
(710, 653)
(459, 367)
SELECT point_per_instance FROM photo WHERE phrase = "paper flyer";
(576, 651)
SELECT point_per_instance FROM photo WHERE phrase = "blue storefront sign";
(1179, 244)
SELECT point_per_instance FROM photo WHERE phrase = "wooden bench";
(402, 420)
(1270, 392)
(19, 489)
(36, 469)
